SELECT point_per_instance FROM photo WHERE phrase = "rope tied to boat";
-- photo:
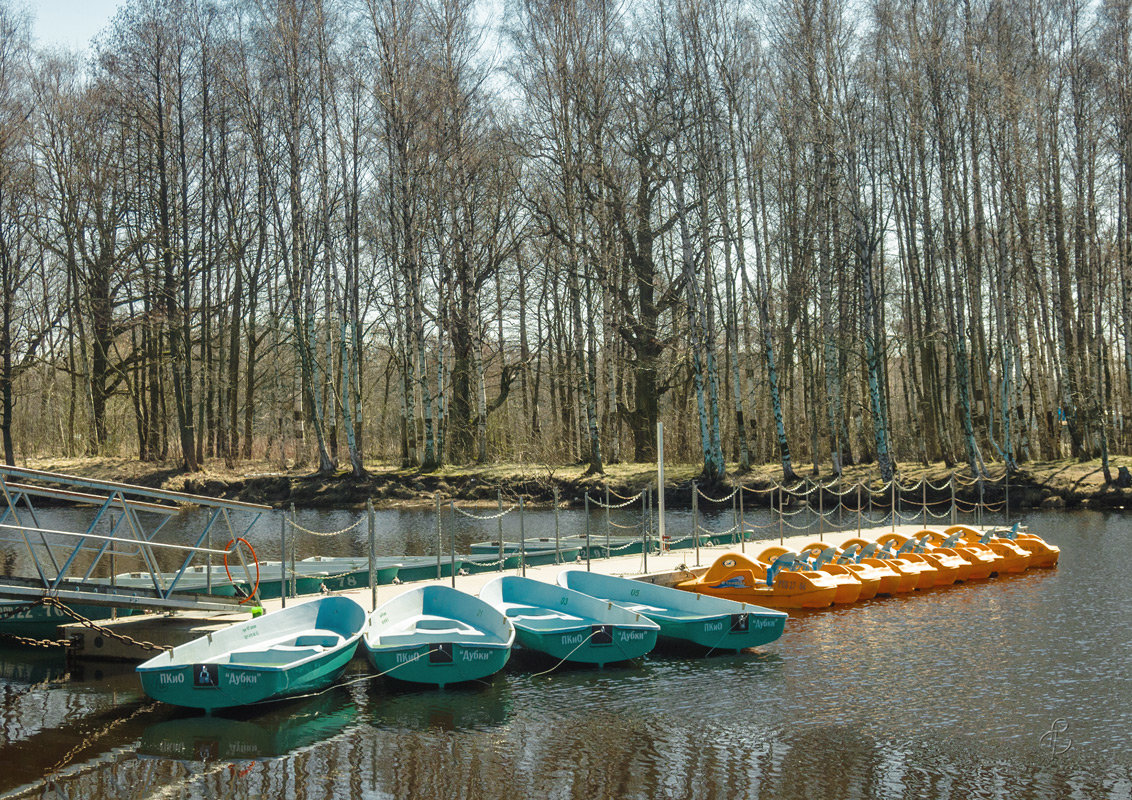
(566, 657)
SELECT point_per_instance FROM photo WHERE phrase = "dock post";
(283, 559)
(439, 538)
(781, 540)
(371, 523)
(1006, 499)
(858, 510)
(951, 483)
(522, 540)
(645, 529)
(608, 552)
(894, 503)
(557, 540)
(283, 566)
(499, 500)
(660, 482)
(452, 539)
(982, 499)
(735, 514)
(207, 569)
(821, 508)
(587, 530)
(742, 524)
(839, 502)
(696, 520)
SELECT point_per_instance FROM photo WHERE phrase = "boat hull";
(569, 625)
(437, 635)
(292, 651)
(684, 617)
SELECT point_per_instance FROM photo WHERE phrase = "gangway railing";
(137, 514)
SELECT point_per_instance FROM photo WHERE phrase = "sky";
(70, 23)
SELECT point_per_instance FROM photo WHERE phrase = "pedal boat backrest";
(850, 554)
(787, 561)
(826, 556)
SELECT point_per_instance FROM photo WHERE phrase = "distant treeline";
(437, 231)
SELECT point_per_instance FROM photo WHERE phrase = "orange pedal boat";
(825, 558)
(984, 561)
(1042, 553)
(869, 553)
(949, 569)
(736, 577)
(849, 586)
(1014, 558)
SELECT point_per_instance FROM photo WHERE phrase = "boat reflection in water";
(279, 730)
(468, 707)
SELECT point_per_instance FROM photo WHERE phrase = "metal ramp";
(65, 562)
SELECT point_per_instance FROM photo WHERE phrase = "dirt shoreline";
(1062, 484)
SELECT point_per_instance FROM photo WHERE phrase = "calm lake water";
(1017, 687)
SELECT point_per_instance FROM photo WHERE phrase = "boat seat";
(427, 628)
(273, 656)
(537, 616)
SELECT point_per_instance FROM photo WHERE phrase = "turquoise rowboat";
(438, 635)
(569, 625)
(712, 622)
(298, 649)
(272, 575)
(342, 573)
(420, 568)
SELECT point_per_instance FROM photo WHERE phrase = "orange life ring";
(228, 572)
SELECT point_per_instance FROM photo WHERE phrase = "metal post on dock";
(780, 536)
(208, 561)
(742, 524)
(499, 501)
(645, 530)
(1006, 499)
(660, 482)
(893, 497)
(924, 486)
(371, 523)
(982, 499)
(439, 538)
(283, 566)
(696, 520)
(557, 539)
(282, 559)
(608, 552)
(452, 550)
(821, 508)
(735, 514)
(858, 510)
(951, 483)
(587, 530)
(839, 503)
(522, 540)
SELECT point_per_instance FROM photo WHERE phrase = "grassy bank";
(1069, 484)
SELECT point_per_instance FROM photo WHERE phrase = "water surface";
(1017, 687)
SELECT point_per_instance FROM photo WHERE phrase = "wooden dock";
(170, 630)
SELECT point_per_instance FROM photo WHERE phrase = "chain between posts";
(296, 526)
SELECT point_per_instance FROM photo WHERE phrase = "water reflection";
(945, 694)
(268, 732)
